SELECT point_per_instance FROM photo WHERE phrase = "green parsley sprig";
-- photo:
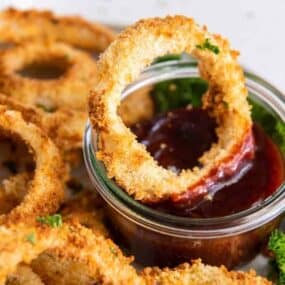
(54, 221)
(207, 45)
(277, 245)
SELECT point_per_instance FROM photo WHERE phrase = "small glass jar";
(157, 238)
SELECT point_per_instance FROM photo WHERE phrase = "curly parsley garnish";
(206, 45)
(176, 93)
(277, 245)
(53, 221)
(31, 238)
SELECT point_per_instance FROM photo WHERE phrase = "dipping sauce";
(178, 138)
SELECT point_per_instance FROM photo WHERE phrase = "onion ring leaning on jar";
(125, 159)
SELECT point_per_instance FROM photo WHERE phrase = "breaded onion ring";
(45, 191)
(125, 159)
(63, 100)
(68, 91)
(17, 26)
(104, 259)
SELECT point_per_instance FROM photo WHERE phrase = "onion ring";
(65, 98)
(68, 90)
(18, 26)
(46, 189)
(126, 160)
(70, 241)
(104, 259)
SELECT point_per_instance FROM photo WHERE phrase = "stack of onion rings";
(102, 259)
(127, 160)
(43, 36)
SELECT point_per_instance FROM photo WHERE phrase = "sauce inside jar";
(178, 138)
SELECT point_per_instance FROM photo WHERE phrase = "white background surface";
(255, 27)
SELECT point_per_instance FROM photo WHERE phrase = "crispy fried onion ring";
(69, 90)
(18, 26)
(126, 160)
(63, 100)
(103, 258)
(45, 191)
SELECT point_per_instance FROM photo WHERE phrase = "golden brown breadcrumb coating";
(68, 91)
(62, 101)
(46, 190)
(200, 274)
(25, 25)
(104, 259)
(128, 161)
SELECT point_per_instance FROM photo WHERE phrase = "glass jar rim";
(233, 224)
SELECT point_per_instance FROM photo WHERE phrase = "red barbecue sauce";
(178, 138)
